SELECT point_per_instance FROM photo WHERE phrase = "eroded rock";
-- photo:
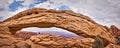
(77, 23)
(115, 31)
(22, 44)
(59, 42)
(24, 35)
(43, 18)
(45, 41)
(4, 30)
(7, 41)
(113, 46)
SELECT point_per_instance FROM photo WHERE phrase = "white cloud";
(28, 2)
(13, 13)
(47, 5)
(6, 13)
(4, 4)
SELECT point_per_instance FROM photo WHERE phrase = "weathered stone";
(77, 23)
(38, 17)
(24, 34)
(33, 45)
(6, 40)
(115, 31)
(4, 30)
(8, 46)
(22, 44)
(112, 46)
(53, 41)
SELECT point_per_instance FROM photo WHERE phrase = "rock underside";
(65, 19)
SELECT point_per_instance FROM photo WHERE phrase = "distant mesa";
(115, 31)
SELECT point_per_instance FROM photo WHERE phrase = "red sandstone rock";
(77, 23)
(113, 46)
(59, 42)
(45, 41)
(4, 29)
(6, 40)
(37, 17)
(22, 44)
(24, 34)
(115, 31)
(33, 45)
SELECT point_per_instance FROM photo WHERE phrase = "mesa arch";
(74, 22)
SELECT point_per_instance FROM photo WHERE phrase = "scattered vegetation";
(98, 42)
(118, 40)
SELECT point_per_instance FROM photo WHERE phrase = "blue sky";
(14, 6)
(105, 12)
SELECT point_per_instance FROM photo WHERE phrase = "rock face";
(4, 30)
(113, 46)
(115, 31)
(43, 18)
(44, 41)
(24, 35)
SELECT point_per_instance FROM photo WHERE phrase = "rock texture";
(113, 46)
(65, 19)
(115, 31)
(24, 35)
(45, 41)
(4, 30)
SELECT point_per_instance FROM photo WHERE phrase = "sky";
(52, 30)
(105, 12)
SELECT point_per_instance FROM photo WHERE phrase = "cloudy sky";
(105, 12)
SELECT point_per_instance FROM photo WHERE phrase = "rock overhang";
(74, 22)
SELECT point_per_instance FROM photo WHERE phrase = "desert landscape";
(88, 33)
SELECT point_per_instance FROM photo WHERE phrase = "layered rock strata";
(65, 19)
(45, 41)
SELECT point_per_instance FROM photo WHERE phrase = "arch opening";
(51, 30)
(18, 27)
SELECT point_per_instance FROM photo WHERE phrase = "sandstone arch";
(77, 23)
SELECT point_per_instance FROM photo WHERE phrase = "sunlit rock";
(78, 24)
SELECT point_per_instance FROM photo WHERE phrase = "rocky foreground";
(95, 35)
